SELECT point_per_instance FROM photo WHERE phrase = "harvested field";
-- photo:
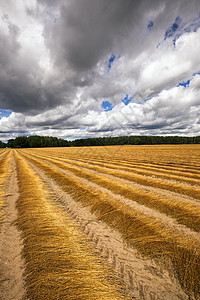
(115, 222)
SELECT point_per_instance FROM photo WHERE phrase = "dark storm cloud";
(90, 31)
(87, 30)
(21, 88)
(94, 51)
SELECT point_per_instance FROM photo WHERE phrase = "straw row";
(168, 156)
(181, 188)
(189, 178)
(186, 213)
(182, 176)
(151, 236)
(179, 174)
(59, 262)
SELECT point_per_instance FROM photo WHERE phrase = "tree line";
(49, 141)
(135, 140)
(34, 142)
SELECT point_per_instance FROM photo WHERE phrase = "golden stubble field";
(113, 222)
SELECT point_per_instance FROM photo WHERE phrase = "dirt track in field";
(11, 245)
(142, 278)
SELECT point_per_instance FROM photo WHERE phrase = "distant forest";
(49, 141)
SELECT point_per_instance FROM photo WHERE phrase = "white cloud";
(54, 73)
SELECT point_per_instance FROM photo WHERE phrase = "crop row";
(129, 159)
(171, 182)
(151, 236)
(187, 213)
(183, 175)
(59, 262)
(183, 157)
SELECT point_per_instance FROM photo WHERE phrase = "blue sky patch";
(106, 105)
(148, 99)
(110, 61)
(190, 26)
(4, 113)
(184, 83)
(126, 100)
(150, 25)
(173, 28)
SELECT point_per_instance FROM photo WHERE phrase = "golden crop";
(135, 190)
(59, 263)
(148, 234)
(185, 213)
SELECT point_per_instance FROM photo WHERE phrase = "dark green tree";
(2, 145)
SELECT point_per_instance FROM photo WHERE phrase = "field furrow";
(138, 274)
(185, 212)
(190, 178)
(107, 222)
(179, 176)
(4, 173)
(134, 166)
(185, 158)
(11, 261)
(152, 237)
(59, 262)
(150, 180)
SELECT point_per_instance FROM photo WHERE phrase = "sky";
(87, 68)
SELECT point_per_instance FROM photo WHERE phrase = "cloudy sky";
(87, 68)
